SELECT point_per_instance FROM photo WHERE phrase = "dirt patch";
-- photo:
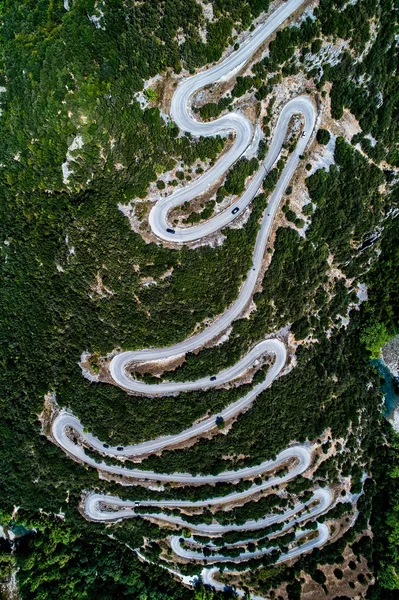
(349, 585)
(346, 127)
(157, 367)
(98, 288)
(9, 590)
(46, 416)
(165, 88)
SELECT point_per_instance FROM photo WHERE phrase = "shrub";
(323, 136)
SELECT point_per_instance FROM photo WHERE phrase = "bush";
(374, 335)
(242, 86)
(323, 136)
(316, 46)
(319, 576)
(338, 573)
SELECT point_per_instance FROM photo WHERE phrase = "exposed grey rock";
(390, 355)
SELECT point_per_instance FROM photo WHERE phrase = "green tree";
(323, 136)
(374, 335)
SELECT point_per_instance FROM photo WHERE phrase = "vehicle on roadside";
(213, 378)
(105, 446)
(304, 133)
(170, 230)
(235, 210)
(120, 448)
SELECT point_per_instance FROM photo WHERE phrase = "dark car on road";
(235, 210)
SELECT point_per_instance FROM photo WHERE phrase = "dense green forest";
(64, 77)
(382, 311)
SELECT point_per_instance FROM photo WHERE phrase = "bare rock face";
(390, 355)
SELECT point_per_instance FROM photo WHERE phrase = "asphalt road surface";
(65, 419)
(121, 362)
(60, 431)
(100, 507)
(192, 555)
(207, 575)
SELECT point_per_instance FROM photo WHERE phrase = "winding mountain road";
(323, 534)
(207, 575)
(100, 507)
(124, 509)
(66, 420)
(158, 215)
(272, 346)
(237, 122)
(301, 453)
(243, 128)
(120, 363)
